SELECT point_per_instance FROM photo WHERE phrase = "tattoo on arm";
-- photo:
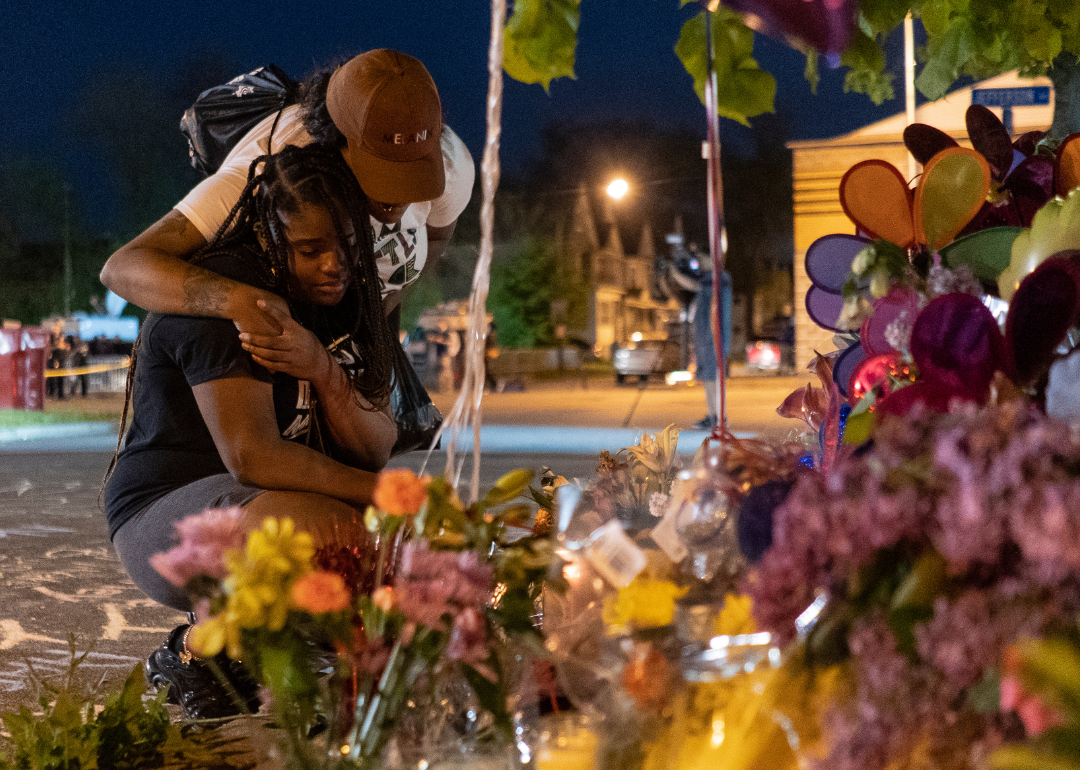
(173, 224)
(205, 293)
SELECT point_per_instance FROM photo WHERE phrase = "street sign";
(1007, 98)
(1029, 96)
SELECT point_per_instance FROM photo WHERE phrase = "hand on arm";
(239, 411)
(152, 271)
(366, 437)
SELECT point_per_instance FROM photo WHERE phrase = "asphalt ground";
(62, 587)
(60, 578)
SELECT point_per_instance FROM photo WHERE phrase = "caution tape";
(78, 371)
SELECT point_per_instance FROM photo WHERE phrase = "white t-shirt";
(401, 250)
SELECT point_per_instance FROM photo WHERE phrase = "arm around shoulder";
(153, 272)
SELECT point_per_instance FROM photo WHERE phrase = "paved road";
(60, 576)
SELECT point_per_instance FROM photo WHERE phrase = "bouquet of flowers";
(646, 593)
(927, 554)
(347, 665)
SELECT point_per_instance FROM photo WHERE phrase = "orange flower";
(383, 598)
(400, 492)
(320, 592)
(647, 677)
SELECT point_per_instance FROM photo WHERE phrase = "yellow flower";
(210, 637)
(735, 617)
(645, 603)
(259, 586)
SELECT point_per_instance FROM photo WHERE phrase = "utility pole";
(909, 85)
(67, 251)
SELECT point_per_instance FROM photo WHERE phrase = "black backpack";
(223, 114)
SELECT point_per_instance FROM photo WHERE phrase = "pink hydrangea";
(204, 540)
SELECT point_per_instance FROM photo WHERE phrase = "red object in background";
(763, 355)
(23, 352)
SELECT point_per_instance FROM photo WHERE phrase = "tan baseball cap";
(387, 106)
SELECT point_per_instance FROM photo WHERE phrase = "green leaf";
(811, 72)
(902, 622)
(743, 88)
(985, 695)
(492, 697)
(881, 16)
(859, 428)
(541, 40)
(1018, 757)
(987, 252)
(947, 55)
(924, 583)
(867, 74)
(508, 487)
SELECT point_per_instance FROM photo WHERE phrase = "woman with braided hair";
(291, 425)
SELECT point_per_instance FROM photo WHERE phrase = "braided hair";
(313, 112)
(254, 233)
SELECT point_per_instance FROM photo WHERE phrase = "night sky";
(51, 50)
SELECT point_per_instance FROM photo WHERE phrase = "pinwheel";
(1022, 181)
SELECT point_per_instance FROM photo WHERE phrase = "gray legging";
(152, 530)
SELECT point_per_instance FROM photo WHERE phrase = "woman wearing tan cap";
(382, 110)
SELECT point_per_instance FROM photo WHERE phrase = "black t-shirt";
(168, 444)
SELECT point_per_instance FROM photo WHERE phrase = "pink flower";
(432, 584)
(1037, 716)
(204, 540)
(468, 637)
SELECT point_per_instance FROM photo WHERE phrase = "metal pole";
(67, 253)
(717, 231)
(909, 85)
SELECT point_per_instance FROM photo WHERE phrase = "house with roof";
(620, 303)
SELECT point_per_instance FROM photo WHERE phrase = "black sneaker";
(708, 422)
(193, 685)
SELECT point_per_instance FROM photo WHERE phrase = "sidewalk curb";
(494, 439)
(58, 430)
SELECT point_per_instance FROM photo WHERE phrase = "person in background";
(58, 357)
(79, 359)
(704, 349)
(381, 111)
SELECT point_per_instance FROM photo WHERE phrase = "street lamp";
(618, 188)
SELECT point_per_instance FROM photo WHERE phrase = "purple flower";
(204, 540)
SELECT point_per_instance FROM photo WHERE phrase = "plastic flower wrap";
(348, 660)
(646, 593)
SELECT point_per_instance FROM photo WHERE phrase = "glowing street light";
(618, 188)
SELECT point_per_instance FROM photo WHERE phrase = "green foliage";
(811, 72)
(69, 733)
(743, 88)
(541, 38)
(866, 73)
(965, 38)
(524, 281)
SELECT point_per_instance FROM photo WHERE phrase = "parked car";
(763, 356)
(646, 358)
